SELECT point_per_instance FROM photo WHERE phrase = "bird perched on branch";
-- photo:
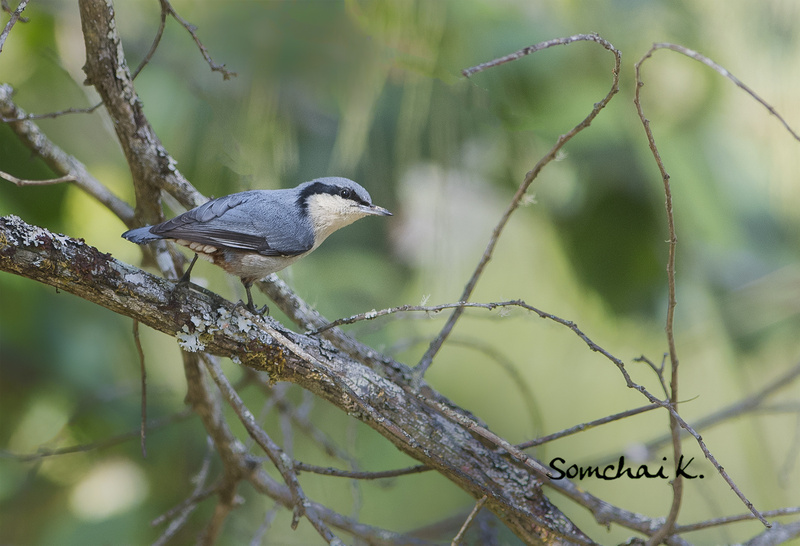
(254, 233)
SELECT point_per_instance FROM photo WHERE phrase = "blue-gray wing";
(260, 221)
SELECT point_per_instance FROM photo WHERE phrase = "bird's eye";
(345, 193)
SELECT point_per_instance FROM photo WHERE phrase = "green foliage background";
(372, 91)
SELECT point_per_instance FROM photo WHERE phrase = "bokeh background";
(372, 91)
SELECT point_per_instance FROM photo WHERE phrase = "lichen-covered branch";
(203, 321)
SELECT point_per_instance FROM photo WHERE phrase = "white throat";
(330, 212)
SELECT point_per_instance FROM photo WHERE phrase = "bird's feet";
(262, 312)
(187, 275)
(250, 305)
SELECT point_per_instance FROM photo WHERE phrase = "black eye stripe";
(332, 189)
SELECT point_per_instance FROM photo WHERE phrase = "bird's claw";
(264, 311)
(187, 275)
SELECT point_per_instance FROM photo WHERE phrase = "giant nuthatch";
(254, 233)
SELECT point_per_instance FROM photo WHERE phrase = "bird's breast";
(250, 266)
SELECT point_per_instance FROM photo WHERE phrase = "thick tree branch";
(151, 166)
(202, 321)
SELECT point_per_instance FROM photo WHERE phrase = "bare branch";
(658, 370)
(677, 483)
(437, 343)
(629, 382)
(372, 315)
(143, 374)
(380, 475)
(594, 347)
(180, 514)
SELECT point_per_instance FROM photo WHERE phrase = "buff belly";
(250, 266)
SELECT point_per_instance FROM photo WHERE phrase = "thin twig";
(585, 426)
(732, 519)
(226, 74)
(59, 161)
(677, 483)
(50, 115)
(475, 509)
(749, 404)
(723, 72)
(101, 444)
(437, 343)
(380, 475)
(156, 40)
(273, 451)
(143, 371)
(6, 8)
(15, 15)
(372, 315)
(49, 182)
(606, 513)
(658, 370)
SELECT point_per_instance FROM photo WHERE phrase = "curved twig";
(437, 343)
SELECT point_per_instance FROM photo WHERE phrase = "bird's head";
(333, 203)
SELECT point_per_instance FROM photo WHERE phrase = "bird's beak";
(375, 209)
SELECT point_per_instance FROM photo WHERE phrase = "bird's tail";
(141, 235)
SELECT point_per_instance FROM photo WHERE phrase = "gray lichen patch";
(22, 234)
